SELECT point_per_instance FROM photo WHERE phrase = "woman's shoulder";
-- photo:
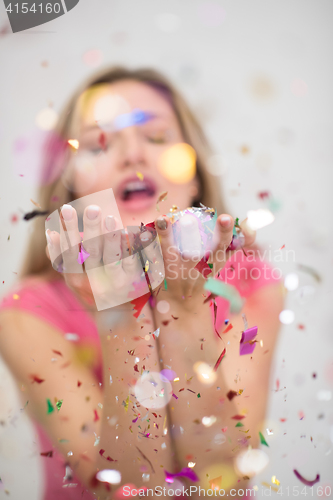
(249, 270)
(50, 299)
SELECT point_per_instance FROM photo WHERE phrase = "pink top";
(55, 303)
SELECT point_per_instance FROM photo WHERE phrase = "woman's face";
(126, 158)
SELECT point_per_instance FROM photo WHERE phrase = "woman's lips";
(134, 194)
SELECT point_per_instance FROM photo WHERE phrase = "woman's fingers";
(169, 250)
(92, 239)
(70, 240)
(53, 250)
(112, 243)
(152, 254)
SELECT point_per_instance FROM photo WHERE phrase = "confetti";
(238, 417)
(185, 472)
(101, 452)
(50, 408)
(74, 143)
(239, 424)
(203, 268)
(218, 287)
(229, 327)
(47, 454)
(162, 196)
(231, 394)
(102, 141)
(83, 255)
(57, 352)
(306, 481)
(96, 417)
(35, 203)
(217, 364)
(34, 213)
(262, 439)
(139, 303)
(247, 344)
(140, 176)
(36, 378)
(58, 404)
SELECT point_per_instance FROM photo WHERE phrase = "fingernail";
(110, 223)
(67, 212)
(48, 238)
(92, 212)
(225, 221)
(161, 223)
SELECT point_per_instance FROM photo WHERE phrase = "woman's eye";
(157, 140)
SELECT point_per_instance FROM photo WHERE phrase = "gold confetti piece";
(126, 403)
(35, 203)
(15, 296)
(269, 486)
(140, 176)
(275, 480)
(74, 143)
(240, 391)
(162, 196)
(174, 208)
(147, 266)
(176, 379)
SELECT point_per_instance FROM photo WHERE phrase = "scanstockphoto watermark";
(164, 491)
(252, 264)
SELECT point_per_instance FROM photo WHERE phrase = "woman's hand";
(113, 273)
(184, 282)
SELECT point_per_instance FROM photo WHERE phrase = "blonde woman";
(80, 366)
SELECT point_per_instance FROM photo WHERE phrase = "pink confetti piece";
(185, 472)
(246, 343)
(83, 255)
(306, 481)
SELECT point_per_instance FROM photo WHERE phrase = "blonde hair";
(52, 195)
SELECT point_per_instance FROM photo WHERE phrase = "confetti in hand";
(50, 407)
(58, 404)
(185, 472)
(247, 344)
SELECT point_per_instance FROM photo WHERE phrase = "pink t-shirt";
(55, 303)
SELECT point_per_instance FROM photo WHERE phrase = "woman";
(80, 366)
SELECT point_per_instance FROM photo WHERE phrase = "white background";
(218, 62)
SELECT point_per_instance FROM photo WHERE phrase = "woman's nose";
(131, 148)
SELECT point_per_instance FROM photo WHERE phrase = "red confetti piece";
(87, 459)
(203, 268)
(306, 481)
(96, 418)
(57, 352)
(101, 452)
(136, 369)
(228, 328)
(79, 383)
(102, 141)
(14, 219)
(47, 454)
(238, 417)
(300, 326)
(139, 303)
(283, 419)
(174, 317)
(65, 365)
(155, 414)
(277, 384)
(263, 194)
(231, 394)
(166, 322)
(35, 378)
(283, 246)
(224, 429)
(217, 364)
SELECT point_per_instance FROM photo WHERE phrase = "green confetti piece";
(198, 395)
(63, 440)
(262, 439)
(50, 408)
(58, 404)
(228, 292)
(211, 265)
(165, 284)
(239, 424)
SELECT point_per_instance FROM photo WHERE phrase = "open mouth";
(137, 190)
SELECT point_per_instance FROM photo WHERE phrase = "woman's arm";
(190, 339)
(27, 345)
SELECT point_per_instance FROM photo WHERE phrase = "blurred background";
(259, 76)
